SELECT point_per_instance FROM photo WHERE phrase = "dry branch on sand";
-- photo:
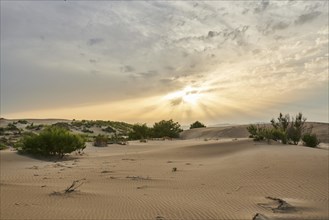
(259, 216)
(138, 178)
(72, 188)
(279, 206)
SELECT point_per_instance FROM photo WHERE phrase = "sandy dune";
(216, 179)
(240, 131)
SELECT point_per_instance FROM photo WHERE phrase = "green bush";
(139, 131)
(197, 124)
(53, 141)
(284, 129)
(63, 125)
(279, 135)
(259, 132)
(12, 127)
(166, 129)
(293, 135)
(2, 131)
(2, 146)
(253, 131)
(310, 140)
(22, 121)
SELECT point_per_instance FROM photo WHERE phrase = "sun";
(188, 95)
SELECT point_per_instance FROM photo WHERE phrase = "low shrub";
(34, 127)
(86, 130)
(108, 129)
(53, 141)
(197, 124)
(285, 129)
(3, 146)
(167, 128)
(139, 131)
(2, 131)
(100, 140)
(279, 135)
(12, 127)
(310, 140)
(22, 121)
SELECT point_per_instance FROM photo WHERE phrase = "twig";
(75, 184)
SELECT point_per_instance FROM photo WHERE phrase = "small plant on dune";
(285, 129)
(279, 135)
(310, 140)
(53, 141)
(63, 125)
(100, 140)
(12, 127)
(34, 127)
(253, 131)
(108, 129)
(259, 132)
(2, 131)
(22, 121)
(86, 130)
(197, 124)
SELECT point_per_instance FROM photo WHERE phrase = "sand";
(215, 179)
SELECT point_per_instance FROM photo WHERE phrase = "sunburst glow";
(188, 95)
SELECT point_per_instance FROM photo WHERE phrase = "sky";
(144, 61)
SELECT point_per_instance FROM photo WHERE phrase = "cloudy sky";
(143, 61)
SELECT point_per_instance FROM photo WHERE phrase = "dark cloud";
(170, 68)
(256, 51)
(280, 26)
(176, 101)
(245, 11)
(262, 7)
(127, 69)
(92, 61)
(225, 34)
(165, 81)
(148, 74)
(93, 41)
(212, 33)
(269, 27)
(302, 19)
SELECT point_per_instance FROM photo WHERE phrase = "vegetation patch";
(310, 140)
(101, 140)
(197, 124)
(165, 129)
(53, 141)
(286, 130)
